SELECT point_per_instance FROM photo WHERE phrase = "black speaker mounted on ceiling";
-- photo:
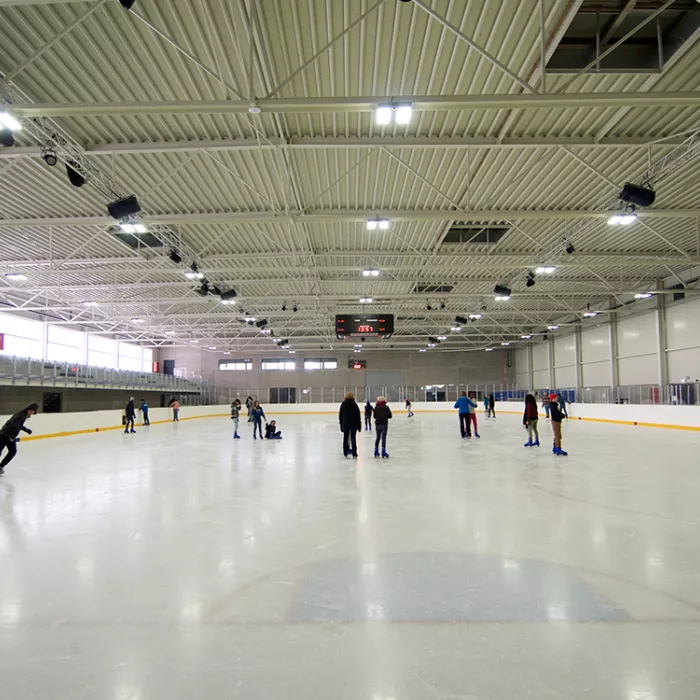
(75, 176)
(124, 208)
(7, 138)
(637, 195)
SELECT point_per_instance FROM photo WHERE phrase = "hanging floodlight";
(637, 195)
(48, 154)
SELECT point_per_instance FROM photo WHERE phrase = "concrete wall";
(416, 368)
(15, 398)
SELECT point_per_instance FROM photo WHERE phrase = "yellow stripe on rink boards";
(611, 421)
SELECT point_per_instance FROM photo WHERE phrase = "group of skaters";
(555, 409)
(350, 419)
(130, 413)
(256, 415)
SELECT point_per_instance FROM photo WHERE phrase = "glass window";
(101, 359)
(236, 365)
(23, 347)
(11, 324)
(321, 363)
(147, 360)
(130, 350)
(279, 364)
(100, 343)
(65, 353)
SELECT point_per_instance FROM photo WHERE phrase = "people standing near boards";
(368, 415)
(175, 405)
(235, 415)
(557, 417)
(257, 414)
(130, 412)
(464, 406)
(530, 418)
(350, 422)
(10, 431)
(382, 416)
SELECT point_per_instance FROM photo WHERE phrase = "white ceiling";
(155, 102)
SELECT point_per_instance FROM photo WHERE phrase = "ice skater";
(10, 431)
(271, 432)
(144, 412)
(545, 405)
(130, 412)
(382, 416)
(350, 422)
(557, 417)
(408, 407)
(175, 405)
(491, 410)
(472, 413)
(235, 415)
(530, 418)
(257, 414)
(249, 405)
(464, 405)
(368, 415)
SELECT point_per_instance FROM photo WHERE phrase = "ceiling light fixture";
(381, 224)
(545, 270)
(9, 122)
(422, 350)
(622, 219)
(194, 342)
(15, 277)
(48, 154)
(637, 195)
(553, 328)
(137, 320)
(442, 337)
(90, 303)
(590, 314)
(488, 349)
(132, 227)
(404, 113)
(530, 279)
(399, 113)
(175, 256)
(501, 290)
(212, 347)
(475, 317)
(229, 297)
(505, 344)
(456, 329)
(123, 208)
(570, 250)
(526, 337)
(643, 295)
(370, 273)
(383, 115)
(504, 297)
(366, 300)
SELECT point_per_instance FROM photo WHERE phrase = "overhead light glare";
(422, 350)
(545, 270)
(212, 347)
(553, 328)
(366, 300)
(90, 303)
(505, 344)
(526, 337)
(503, 297)
(489, 349)
(370, 273)
(442, 337)
(15, 277)
(590, 314)
(383, 115)
(137, 320)
(9, 122)
(643, 295)
(456, 329)
(404, 113)
(475, 317)
(374, 224)
(622, 219)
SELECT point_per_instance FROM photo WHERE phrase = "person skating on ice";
(545, 405)
(144, 412)
(382, 416)
(175, 405)
(235, 416)
(368, 415)
(10, 431)
(464, 405)
(350, 423)
(556, 419)
(130, 412)
(257, 414)
(408, 407)
(271, 432)
(530, 418)
(562, 406)
(249, 406)
(472, 414)
(491, 407)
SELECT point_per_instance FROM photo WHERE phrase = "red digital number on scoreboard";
(365, 329)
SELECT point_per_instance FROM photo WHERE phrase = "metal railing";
(686, 394)
(22, 371)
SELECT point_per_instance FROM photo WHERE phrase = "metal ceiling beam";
(331, 143)
(420, 103)
(332, 216)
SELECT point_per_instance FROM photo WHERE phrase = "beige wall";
(416, 368)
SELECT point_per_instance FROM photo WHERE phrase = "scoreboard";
(364, 326)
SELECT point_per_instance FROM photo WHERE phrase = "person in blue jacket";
(465, 406)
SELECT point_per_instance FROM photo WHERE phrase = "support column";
(615, 370)
(579, 359)
(530, 371)
(661, 333)
(550, 356)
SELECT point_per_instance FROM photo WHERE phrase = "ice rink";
(177, 564)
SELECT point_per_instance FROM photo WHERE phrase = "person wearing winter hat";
(382, 415)
(556, 417)
(10, 431)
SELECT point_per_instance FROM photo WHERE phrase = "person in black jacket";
(350, 422)
(130, 415)
(382, 415)
(557, 417)
(10, 431)
(368, 415)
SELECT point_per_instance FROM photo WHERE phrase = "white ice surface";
(177, 564)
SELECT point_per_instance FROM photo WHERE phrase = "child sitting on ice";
(271, 432)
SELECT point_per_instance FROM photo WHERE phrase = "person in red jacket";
(530, 418)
